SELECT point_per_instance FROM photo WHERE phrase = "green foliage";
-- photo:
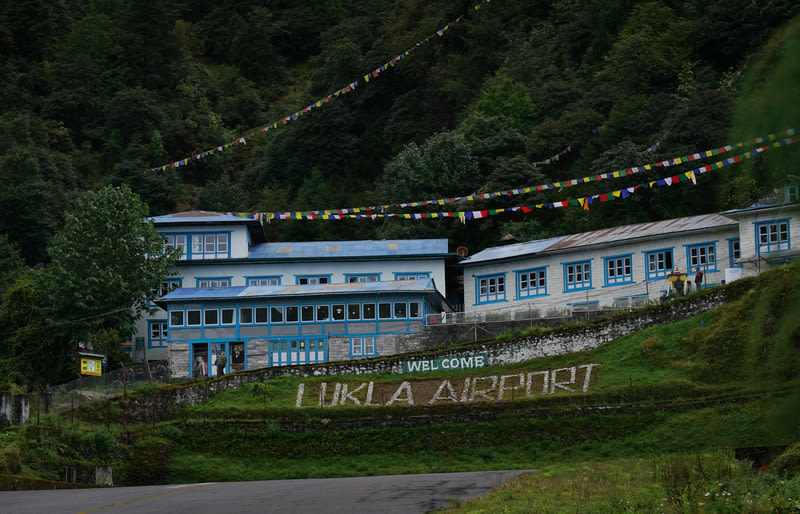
(105, 262)
(146, 462)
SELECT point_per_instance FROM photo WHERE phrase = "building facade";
(630, 265)
(259, 326)
(221, 251)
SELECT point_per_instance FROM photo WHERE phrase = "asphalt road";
(380, 494)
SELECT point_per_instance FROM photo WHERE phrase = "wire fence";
(541, 308)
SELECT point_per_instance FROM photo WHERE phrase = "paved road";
(382, 494)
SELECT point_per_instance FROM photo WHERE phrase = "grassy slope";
(740, 360)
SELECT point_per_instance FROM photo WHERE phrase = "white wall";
(556, 296)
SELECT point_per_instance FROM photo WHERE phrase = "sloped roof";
(422, 285)
(350, 249)
(608, 236)
(206, 218)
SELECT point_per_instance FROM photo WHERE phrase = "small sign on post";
(92, 364)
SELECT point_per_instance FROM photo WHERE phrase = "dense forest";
(98, 92)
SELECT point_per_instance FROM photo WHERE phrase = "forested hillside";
(113, 91)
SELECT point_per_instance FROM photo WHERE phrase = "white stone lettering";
(349, 395)
(489, 388)
(465, 390)
(502, 387)
(545, 382)
(370, 388)
(405, 387)
(588, 376)
(451, 394)
(482, 392)
(562, 385)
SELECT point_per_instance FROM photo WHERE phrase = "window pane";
(291, 314)
(369, 311)
(193, 317)
(246, 315)
(338, 312)
(399, 310)
(322, 313)
(276, 315)
(212, 317)
(415, 310)
(176, 318)
(308, 312)
(227, 316)
(354, 311)
(385, 310)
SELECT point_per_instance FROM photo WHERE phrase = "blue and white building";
(224, 256)
(633, 264)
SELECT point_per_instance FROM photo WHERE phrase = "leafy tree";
(30, 350)
(105, 261)
(11, 264)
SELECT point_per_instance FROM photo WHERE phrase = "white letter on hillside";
(588, 376)
(501, 387)
(451, 394)
(405, 386)
(545, 382)
(563, 385)
(346, 395)
(300, 390)
(482, 392)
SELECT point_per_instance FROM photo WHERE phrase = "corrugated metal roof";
(422, 285)
(227, 293)
(201, 218)
(512, 250)
(339, 249)
(603, 237)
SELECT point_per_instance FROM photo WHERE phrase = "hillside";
(725, 379)
(462, 97)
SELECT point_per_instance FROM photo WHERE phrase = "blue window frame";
(658, 263)
(490, 288)
(265, 280)
(618, 270)
(363, 346)
(302, 280)
(177, 241)
(164, 288)
(212, 281)
(577, 275)
(702, 255)
(531, 282)
(157, 333)
(734, 252)
(413, 275)
(772, 236)
(358, 278)
(210, 245)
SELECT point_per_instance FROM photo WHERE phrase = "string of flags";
(713, 152)
(349, 88)
(583, 202)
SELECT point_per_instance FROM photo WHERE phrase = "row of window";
(200, 245)
(172, 284)
(617, 270)
(277, 314)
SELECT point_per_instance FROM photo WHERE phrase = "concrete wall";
(14, 409)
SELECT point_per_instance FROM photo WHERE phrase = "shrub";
(789, 461)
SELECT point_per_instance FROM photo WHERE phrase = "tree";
(105, 261)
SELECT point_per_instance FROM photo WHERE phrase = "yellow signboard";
(91, 366)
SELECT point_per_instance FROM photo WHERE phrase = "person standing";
(222, 360)
(698, 278)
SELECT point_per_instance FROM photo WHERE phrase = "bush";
(789, 461)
